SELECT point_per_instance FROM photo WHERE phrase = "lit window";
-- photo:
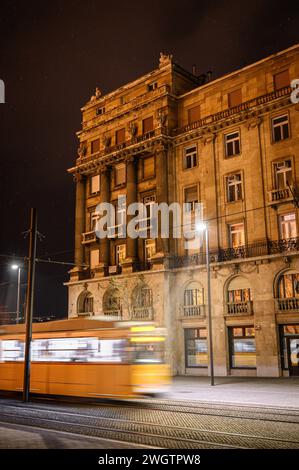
(288, 226)
(239, 295)
(242, 347)
(283, 174)
(234, 187)
(120, 253)
(191, 198)
(288, 286)
(232, 144)
(95, 184)
(280, 128)
(190, 157)
(237, 235)
(196, 347)
(120, 174)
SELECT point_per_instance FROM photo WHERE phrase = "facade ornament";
(97, 95)
(254, 122)
(209, 138)
(132, 128)
(161, 117)
(82, 150)
(106, 141)
(165, 59)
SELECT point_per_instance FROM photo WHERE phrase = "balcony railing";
(194, 310)
(267, 247)
(89, 237)
(113, 313)
(280, 195)
(289, 304)
(213, 118)
(142, 313)
(239, 308)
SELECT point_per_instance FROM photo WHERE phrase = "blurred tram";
(86, 358)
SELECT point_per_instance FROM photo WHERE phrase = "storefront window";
(242, 347)
(196, 347)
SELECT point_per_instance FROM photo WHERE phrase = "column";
(79, 220)
(162, 194)
(131, 243)
(105, 197)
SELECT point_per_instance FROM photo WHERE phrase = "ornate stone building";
(232, 144)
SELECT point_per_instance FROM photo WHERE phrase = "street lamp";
(200, 228)
(17, 267)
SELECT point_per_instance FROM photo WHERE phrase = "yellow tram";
(86, 358)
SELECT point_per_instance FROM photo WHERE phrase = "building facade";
(231, 144)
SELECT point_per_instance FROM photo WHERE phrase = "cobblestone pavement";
(156, 423)
(26, 437)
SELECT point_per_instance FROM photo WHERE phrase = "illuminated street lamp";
(200, 228)
(17, 267)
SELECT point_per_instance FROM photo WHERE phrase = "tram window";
(148, 353)
(11, 350)
(78, 350)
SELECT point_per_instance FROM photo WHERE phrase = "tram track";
(147, 432)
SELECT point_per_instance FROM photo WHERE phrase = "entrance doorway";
(289, 335)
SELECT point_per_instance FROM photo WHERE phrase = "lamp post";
(17, 267)
(200, 228)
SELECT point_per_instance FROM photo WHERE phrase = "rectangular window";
(120, 253)
(281, 80)
(235, 98)
(150, 248)
(232, 144)
(196, 347)
(280, 128)
(147, 125)
(152, 86)
(288, 226)
(242, 347)
(95, 146)
(191, 197)
(239, 295)
(100, 111)
(94, 217)
(148, 201)
(120, 174)
(95, 184)
(94, 258)
(283, 174)
(234, 187)
(190, 157)
(120, 136)
(148, 167)
(237, 235)
(193, 114)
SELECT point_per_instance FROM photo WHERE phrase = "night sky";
(52, 56)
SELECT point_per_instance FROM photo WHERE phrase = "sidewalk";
(281, 392)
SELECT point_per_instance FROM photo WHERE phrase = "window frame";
(225, 140)
(230, 344)
(185, 149)
(272, 126)
(234, 185)
(186, 339)
(230, 234)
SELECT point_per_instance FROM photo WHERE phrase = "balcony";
(289, 304)
(243, 107)
(263, 248)
(89, 237)
(143, 313)
(239, 308)
(116, 313)
(280, 195)
(194, 311)
(139, 266)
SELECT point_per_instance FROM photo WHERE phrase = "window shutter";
(148, 167)
(94, 258)
(147, 125)
(95, 184)
(193, 114)
(281, 80)
(95, 145)
(120, 136)
(191, 194)
(235, 98)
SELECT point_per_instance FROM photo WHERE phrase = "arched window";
(85, 303)
(288, 291)
(239, 296)
(142, 300)
(193, 300)
(112, 303)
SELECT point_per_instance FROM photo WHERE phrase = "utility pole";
(29, 303)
